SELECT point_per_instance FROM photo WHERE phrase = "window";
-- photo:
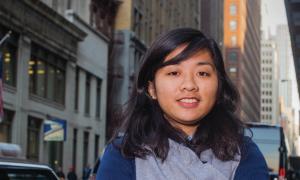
(74, 147)
(6, 126)
(47, 74)
(8, 54)
(33, 138)
(232, 9)
(87, 93)
(233, 25)
(232, 56)
(40, 79)
(232, 70)
(96, 146)
(77, 74)
(55, 150)
(98, 97)
(233, 40)
(85, 148)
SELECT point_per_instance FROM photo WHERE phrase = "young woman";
(180, 122)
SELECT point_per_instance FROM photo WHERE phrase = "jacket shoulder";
(114, 165)
(252, 164)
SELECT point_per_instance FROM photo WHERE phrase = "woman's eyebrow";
(206, 63)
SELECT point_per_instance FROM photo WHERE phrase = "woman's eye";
(203, 74)
(174, 73)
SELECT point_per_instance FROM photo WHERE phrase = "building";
(288, 90)
(269, 83)
(55, 71)
(242, 53)
(138, 23)
(293, 14)
(293, 17)
(212, 16)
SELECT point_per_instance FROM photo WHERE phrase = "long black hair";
(144, 129)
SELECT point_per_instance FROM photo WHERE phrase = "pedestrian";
(86, 172)
(71, 174)
(60, 173)
(181, 120)
(95, 169)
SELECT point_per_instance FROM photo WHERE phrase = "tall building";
(212, 16)
(55, 75)
(269, 83)
(288, 90)
(293, 17)
(242, 53)
(138, 23)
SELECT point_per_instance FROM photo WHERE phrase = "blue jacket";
(251, 167)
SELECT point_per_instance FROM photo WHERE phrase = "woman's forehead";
(181, 48)
(199, 56)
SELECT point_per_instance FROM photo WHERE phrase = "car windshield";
(24, 174)
(268, 141)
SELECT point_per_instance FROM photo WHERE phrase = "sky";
(272, 14)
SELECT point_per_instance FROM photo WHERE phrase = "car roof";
(261, 125)
(21, 163)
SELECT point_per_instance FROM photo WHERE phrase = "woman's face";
(186, 92)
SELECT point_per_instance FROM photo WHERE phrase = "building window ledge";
(46, 102)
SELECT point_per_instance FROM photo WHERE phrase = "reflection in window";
(50, 82)
(8, 53)
(46, 74)
(40, 80)
(60, 86)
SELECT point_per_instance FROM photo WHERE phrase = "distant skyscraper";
(288, 90)
(242, 53)
(269, 82)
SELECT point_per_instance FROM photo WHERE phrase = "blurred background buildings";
(69, 66)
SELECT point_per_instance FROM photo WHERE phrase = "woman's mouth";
(188, 102)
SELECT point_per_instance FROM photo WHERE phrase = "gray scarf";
(183, 164)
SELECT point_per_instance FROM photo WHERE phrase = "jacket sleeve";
(114, 166)
(252, 165)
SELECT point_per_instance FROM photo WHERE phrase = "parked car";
(273, 145)
(14, 168)
(294, 170)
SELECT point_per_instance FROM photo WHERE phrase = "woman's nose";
(189, 83)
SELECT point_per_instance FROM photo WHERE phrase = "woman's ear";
(151, 90)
